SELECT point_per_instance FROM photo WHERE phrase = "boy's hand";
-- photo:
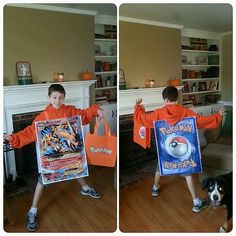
(138, 101)
(7, 137)
(222, 111)
(102, 113)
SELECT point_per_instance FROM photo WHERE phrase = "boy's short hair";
(171, 93)
(56, 88)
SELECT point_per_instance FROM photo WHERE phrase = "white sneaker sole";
(32, 230)
(196, 211)
(90, 195)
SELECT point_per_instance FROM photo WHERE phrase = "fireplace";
(135, 163)
(131, 153)
(21, 104)
(25, 157)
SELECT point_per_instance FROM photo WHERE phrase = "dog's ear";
(205, 183)
(226, 185)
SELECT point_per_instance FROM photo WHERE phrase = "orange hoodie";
(172, 113)
(28, 135)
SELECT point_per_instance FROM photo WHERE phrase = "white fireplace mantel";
(25, 95)
(152, 99)
(34, 97)
(20, 99)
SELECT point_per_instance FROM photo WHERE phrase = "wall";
(149, 52)
(50, 41)
(227, 67)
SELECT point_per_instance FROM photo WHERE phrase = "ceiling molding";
(54, 8)
(105, 19)
(187, 32)
(228, 33)
(150, 22)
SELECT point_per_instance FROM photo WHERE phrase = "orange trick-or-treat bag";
(141, 135)
(101, 150)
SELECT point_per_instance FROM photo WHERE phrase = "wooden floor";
(171, 211)
(63, 209)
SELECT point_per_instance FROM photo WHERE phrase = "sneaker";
(91, 192)
(155, 191)
(197, 208)
(31, 222)
(222, 230)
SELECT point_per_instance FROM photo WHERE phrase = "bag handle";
(107, 129)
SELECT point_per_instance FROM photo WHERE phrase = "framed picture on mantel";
(23, 69)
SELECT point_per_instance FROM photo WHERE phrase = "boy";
(55, 109)
(172, 112)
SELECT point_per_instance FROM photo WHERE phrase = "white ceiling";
(213, 17)
(208, 17)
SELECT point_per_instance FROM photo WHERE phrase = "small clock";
(23, 68)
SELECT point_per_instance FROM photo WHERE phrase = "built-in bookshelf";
(200, 69)
(105, 63)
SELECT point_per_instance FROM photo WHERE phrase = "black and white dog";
(220, 192)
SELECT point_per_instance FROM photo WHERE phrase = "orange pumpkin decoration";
(86, 75)
(174, 82)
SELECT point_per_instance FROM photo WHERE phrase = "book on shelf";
(98, 83)
(208, 84)
(202, 60)
(98, 66)
(104, 82)
(110, 31)
(185, 89)
(213, 86)
(202, 86)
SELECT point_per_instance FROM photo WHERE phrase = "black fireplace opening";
(131, 153)
(25, 159)
(136, 164)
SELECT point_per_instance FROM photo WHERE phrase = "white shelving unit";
(102, 88)
(201, 92)
(199, 79)
(105, 63)
(105, 50)
(200, 67)
(105, 72)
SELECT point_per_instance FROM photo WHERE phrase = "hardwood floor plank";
(63, 209)
(171, 211)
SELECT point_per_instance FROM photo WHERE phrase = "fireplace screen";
(25, 159)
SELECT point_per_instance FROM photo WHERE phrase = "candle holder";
(58, 77)
(149, 83)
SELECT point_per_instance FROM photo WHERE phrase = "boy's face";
(56, 99)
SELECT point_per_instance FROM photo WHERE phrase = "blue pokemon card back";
(178, 147)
